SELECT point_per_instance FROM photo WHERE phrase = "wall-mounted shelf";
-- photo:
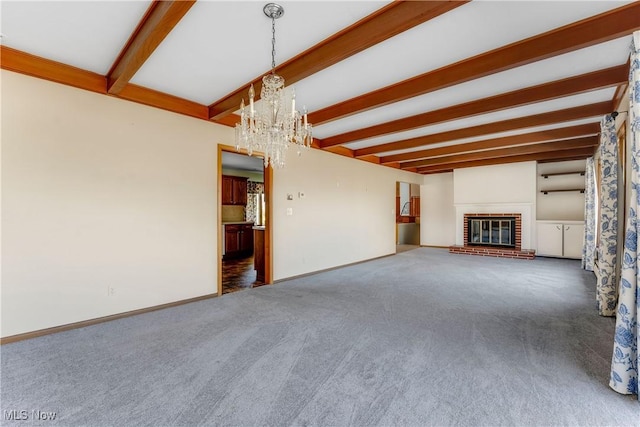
(581, 190)
(547, 175)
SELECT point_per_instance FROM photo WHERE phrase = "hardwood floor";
(238, 275)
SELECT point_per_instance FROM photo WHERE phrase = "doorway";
(407, 216)
(244, 226)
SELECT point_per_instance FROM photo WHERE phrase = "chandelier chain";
(273, 44)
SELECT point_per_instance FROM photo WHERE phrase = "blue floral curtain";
(606, 290)
(624, 363)
(589, 248)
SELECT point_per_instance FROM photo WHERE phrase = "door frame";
(268, 196)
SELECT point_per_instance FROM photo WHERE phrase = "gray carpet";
(405, 248)
(416, 339)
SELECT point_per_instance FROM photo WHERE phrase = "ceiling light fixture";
(274, 125)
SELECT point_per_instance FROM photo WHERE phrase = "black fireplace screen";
(492, 231)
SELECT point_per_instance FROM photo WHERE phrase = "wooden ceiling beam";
(143, 95)
(526, 138)
(621, 89)
(371, 159)
(544, 92)
(617, 96)
(578, 154)
(589, 141)
(343, 151)
(385, 23)
(161, 17)
(551, 117)
(35, 66)
(231, 120)
(587, 32)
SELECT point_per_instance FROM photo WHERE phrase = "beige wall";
(507, 183)
(100, 193)
(347, 213)
(438, 216)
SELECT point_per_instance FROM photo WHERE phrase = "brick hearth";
(494, 251)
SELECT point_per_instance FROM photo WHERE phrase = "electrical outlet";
(289, 196)
(301, 194)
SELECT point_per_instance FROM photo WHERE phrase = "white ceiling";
(242, 162)
(219, 46)
(230, 44)
(86, 34)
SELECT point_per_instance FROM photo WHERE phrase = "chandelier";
(274, 125)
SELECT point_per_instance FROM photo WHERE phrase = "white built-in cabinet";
(560, 209)
(560, 238)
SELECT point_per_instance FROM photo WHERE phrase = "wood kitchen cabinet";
(234, 190)
(227, 190)
(231, 240)
(238, 240)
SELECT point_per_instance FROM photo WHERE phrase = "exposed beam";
(569, 86)
(343, 151)
(578, 154)
(621, 89)
(435, 171)
(551, 117)
(566, 158)
(505, 141)
(164, 101)
(161, 17)
(387, 22)
(617, 96)
(371, 159)
(587, 32)
(35, 66)
(589, 141)
(229, 120)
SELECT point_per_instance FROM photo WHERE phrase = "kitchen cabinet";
(234, 190)
(560, 239)
(238, 240)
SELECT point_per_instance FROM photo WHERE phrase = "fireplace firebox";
(492, 231)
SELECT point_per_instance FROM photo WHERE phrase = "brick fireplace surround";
(493, 251)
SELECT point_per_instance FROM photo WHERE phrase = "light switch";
(289, 211)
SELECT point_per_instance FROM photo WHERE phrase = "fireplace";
(493, 234)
